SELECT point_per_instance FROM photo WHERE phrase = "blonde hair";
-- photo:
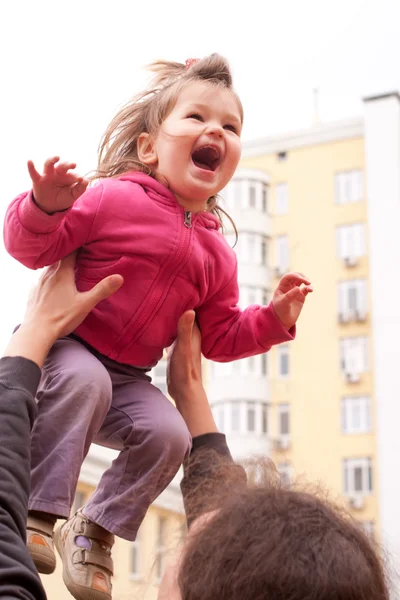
(145, 112)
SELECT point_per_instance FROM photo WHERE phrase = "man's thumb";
(185, 324)
(105, 288)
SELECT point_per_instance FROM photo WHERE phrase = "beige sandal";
(87, 573)
(39, 541)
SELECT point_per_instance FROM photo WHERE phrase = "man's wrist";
(32, 341)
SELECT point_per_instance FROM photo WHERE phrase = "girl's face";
(197, 148)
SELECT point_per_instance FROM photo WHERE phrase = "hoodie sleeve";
(19, 379)
(229, 333)
(37, 239)
(209, 473)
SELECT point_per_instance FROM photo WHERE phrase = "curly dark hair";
(267, 542)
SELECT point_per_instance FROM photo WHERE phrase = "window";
(161, 547)
(251, 417)
(282, 253)
(264, 365)
(357, 476)
(283, 360)
(235, 417)
(252, 196)
(250, 248)
(354, 354)
(352, 298)
(348, 187)
(285, 472)
(253, 295)
(79, 501)
(237, 194)
(134, 567)
(263, 252)
(264, 416)
(159, 376)
(251, 364)
(281, 199)
(219, 413)
(350, 241)
(264, 199)
(368, 527)
(356, 414)
(284, 423)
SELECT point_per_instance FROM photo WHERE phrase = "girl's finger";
(79, 189)
(34, 175)
(49, 165)
(64, 167)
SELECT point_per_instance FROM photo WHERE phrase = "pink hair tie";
(191, 61)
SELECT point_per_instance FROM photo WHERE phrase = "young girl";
(152, 218)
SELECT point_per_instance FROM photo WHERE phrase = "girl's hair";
(147, 110)
(268, 542)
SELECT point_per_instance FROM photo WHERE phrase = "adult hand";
(57, 188)
(289, 297)
(184, 377)
(55, 308)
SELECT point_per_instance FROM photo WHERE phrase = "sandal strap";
(97, 559)
(39, 526)
(92, 531)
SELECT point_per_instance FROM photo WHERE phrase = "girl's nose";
(215, 129)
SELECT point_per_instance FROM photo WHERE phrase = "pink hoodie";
(171, 261)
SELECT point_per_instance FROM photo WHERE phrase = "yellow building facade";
(321, 408)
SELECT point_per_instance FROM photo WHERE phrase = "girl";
(153, 218)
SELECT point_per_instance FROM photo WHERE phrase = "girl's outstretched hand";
(58, 187)
(290, 296)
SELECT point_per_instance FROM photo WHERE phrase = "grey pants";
(83, 398)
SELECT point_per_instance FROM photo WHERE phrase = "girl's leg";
(154, 441)
(73, 398)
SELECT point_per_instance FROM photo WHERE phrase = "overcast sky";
(67, 66)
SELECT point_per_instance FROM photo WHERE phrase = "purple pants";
(85, 398)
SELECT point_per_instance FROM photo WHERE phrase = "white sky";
(66, 67)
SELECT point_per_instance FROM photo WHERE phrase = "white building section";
(238, 391)
(382, 144)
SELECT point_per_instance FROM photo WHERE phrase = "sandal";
(85, 550)
(39, 541)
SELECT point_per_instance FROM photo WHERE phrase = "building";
(325, 202)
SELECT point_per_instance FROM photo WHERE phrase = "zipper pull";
(188, 219)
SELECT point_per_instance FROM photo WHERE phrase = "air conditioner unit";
(360, 316)
(343, 317)
(350, 261)
(352, 377)
(282, 443)
(357, 502)
(279, 271)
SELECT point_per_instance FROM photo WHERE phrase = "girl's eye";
(195, 116)
(231, 128)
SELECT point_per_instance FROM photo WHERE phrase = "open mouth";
(207, 158)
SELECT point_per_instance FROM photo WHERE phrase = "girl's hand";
(289, 297)
(58, 187)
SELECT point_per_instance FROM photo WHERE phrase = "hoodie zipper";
(187, 221)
